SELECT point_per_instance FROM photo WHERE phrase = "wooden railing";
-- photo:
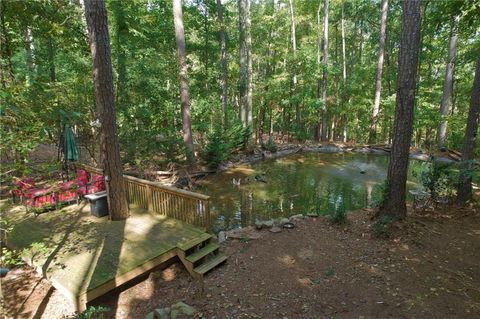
(190, 207)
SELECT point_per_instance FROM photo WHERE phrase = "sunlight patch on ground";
(287, 260)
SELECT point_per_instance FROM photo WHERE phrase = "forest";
(326, 148)
(293, 70)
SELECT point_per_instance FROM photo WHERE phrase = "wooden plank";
(211, 247)
(117, 281)
(212, 263)
(186, 245)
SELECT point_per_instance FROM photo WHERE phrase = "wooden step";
(194, 242)
(196, 256)
(209, 265)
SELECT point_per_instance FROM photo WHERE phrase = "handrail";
(190, 207)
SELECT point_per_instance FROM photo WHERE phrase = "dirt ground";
(428, 268)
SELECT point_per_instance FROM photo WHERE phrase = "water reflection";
(299, 184)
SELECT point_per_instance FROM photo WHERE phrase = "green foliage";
(438, 179)
(269, 146)
(379, 194)
(10, 258)
(382, 226)
(339, 215)
(329, 272)
(93, 313)
(217, 149)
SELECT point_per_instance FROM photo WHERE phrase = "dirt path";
(429, 268)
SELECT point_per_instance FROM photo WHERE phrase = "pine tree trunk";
(183, 77)
(448, 83)
(242, 81)
(318, 129)
(325, 72)
(394, 202)
(464, 193)
(298, 115)
(96, 17)
(223, 53)
(248, 46)
(378, 81)
(5, 49)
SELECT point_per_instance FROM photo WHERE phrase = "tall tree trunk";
(360, 48)
(325, 72)
(464, 193)
(318, 129)
(242, 81)
(248, 45)
(223, 53)
(378, 81)
(183, 77)
(30, 54)
(298, 115)
(206, 27)
(344, 75)
(394, 202)
(96, 16)
(448, 82)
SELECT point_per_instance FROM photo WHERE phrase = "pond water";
(315, 183)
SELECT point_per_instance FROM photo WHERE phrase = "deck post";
(149, 199)
(208, 222)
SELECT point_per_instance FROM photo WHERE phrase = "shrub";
(438, 179)
(93, 313)
(339, 215)
(382, 227)
(379, 194)
(269, 146)
(217, 149)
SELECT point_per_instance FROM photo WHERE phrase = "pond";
(315, 183)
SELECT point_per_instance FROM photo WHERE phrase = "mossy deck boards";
(85, 256)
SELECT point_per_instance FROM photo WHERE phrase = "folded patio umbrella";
(70, 149)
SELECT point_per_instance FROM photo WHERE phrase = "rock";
(275, 229)
(267, 223)
(162, 313)
(283, 221)
(183, 308)
(312, 215)
(258, 225)
(221, 236)
(298, 216)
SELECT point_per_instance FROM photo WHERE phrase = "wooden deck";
(85, 256)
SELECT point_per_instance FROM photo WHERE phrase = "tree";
(294, 51)
(394, 201)
(378, 80)
(242, 81)
(96, 16)
(248, 43)
(183, 76)
(464, 193)
(448, 82)
(223, 58)
(325, 71)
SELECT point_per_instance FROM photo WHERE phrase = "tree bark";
(448, 83)
(248, 43)
(378, 81)
(242, 81)
(223, 53)
(394, 202)
(318, 129)
(464, 193)
(183, 77)
(325, 72)
(298, 115)
(5, 49)
(96, 17)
